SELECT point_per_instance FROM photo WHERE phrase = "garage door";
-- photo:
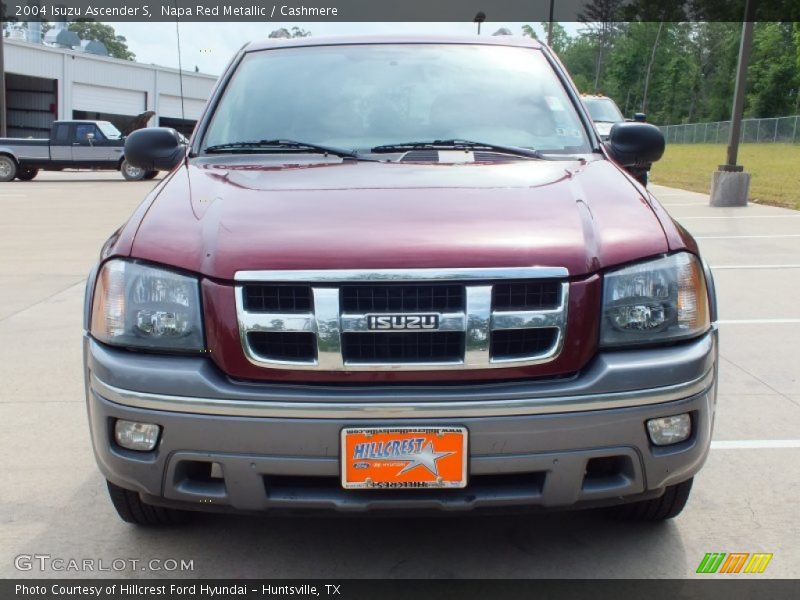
(95, 98)
(170, 106)
(31, 103)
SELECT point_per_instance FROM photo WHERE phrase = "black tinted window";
(61, 133)
(82, 131)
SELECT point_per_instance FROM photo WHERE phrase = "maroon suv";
(399, 273)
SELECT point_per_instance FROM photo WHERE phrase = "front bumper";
(555, 443)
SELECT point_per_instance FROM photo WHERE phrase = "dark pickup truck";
(72, 145)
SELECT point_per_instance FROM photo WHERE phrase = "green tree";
(295, 32)
(579, 58)
(675, 82)
(772, 74)
(715, 51)
(560, 40)
(602, 19)
(116, 45)
(796, 36)
(683, 72)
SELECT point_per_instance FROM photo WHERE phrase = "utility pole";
(730, 185)
(739, 92)
(479, 18)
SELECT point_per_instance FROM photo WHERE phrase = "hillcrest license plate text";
(404, 457)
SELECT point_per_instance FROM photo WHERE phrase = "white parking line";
(698, 203)
(757, 321)
(747, 237)
(754, 444)
(683, 194)
(721, 267)
(780, 216)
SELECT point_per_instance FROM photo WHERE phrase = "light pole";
(479, 18)
(739, 92)
(730, 184)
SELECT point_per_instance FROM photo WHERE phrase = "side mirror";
(635, 144)
(640, 117)
(154, 148)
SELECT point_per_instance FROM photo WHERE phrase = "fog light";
(669, 430)
(136, 436)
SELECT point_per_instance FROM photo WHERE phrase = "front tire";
(667, 506)
(27, 173)
(8, 168)
(150, 174)
(131, 509)
(131, 173)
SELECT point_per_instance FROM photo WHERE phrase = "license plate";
(404, 457)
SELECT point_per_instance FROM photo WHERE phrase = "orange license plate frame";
(407, 458)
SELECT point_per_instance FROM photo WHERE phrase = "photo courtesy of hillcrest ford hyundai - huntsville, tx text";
(399, 273)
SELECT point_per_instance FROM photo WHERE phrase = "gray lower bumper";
(531, 443)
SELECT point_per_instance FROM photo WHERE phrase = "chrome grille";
(487, 318)
(283, 345)
(402, 347)
(262, 297)
(519, 343)
(526, 295)
(402, 298)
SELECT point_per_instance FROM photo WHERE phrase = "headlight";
(146, 307)
(656, 301)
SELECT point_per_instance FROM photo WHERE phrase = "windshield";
(603, 109)
(108, 130)
(362, 96)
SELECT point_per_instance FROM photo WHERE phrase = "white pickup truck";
(72, 145)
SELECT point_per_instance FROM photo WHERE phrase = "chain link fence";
(756, 131)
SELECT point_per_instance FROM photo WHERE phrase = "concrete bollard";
(729, 188)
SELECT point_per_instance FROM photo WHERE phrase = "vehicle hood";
(228, 214)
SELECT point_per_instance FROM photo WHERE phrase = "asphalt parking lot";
(53, 500)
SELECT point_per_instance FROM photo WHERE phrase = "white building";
(45, 83)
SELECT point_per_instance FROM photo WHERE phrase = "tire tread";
(667, 506)
(131, 509)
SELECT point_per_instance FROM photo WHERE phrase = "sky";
(210, 46)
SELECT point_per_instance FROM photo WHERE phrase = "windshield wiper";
(277, 145)
(456, 144)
